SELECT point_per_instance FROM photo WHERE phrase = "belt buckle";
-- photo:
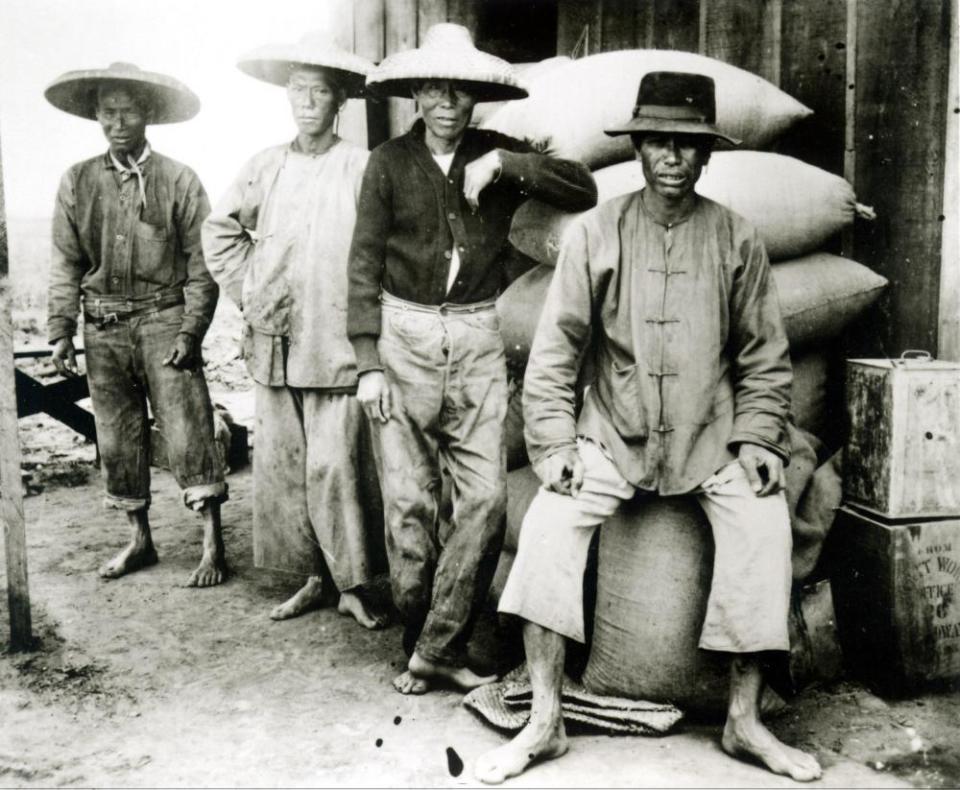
(107, 319)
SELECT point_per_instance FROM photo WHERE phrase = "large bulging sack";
(808, 397)
(528, 73)
(570, 106)
(655, 567)
(795, 207)
(819, 295)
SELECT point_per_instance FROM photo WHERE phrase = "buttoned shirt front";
(682, 326)
(109, 243)
(412, 216)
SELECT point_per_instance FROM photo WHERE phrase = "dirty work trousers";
(124, 370)
(750, 592)
(446, 371)
(316, 499)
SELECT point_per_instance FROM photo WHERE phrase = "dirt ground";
(141, 682)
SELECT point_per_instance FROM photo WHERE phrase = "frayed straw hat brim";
(274, 62)
(447, 53)
(76, 92)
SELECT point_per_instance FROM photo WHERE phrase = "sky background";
(196, 41)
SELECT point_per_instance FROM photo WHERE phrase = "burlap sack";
(569, 107)
(819, 295)
(794, 206)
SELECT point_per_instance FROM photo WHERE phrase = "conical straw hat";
(273, 62)
(76, 92)
(447, 53)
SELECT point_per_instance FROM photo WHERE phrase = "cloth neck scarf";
(134, 169)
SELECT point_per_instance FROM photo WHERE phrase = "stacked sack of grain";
(655, 561)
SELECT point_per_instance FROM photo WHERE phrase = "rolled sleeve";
(563, 183)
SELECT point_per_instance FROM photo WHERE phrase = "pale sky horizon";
(196, 41)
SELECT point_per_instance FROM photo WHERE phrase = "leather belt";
(115, 317)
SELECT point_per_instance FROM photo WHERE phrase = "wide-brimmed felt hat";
(674, 101)
(273, 63)
(447, 53)
(76, 92)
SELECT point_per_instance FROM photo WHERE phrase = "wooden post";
(401, 34)
(949, 330)
(368, 41)
(11, 492)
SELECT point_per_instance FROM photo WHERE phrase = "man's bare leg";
(353, 604)
(544, 736)
(422, 675)
(745, 736)
(212, 569)
(306, 599)
(139, 553)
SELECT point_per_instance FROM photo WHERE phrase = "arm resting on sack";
(562, 183)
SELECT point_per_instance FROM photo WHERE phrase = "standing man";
(278, 243)
(126, 245)
(425, 270)
(690, 396)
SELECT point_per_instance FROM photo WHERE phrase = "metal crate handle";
(913, 354)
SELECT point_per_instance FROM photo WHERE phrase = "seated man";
(691, 393)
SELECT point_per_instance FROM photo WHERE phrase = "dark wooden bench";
(58, 399)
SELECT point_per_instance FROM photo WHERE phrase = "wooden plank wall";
(875, 72)
(11, 490)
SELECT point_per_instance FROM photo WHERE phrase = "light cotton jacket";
(278, 243)
(689, 353)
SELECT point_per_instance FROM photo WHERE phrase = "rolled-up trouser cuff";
(195, 497)
(129, 504)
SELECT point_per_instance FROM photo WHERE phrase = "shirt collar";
(112, 163)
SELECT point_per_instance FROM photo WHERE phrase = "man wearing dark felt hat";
(126, 251)
(672, 296)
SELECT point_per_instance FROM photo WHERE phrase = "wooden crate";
(895, 591)
(902, 455)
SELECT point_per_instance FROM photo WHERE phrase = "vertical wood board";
(429, 13)
(902, 62)
(676, 25)
(733, 31)
(949, 329)
(813, 70)
(400, 20)
(11, 491)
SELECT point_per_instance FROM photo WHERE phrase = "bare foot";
(461, 677)
(307, 598)
(406, 683)
(134, 557)
(353, 605)
(211, 571)
(534, 743)
(747, 737)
